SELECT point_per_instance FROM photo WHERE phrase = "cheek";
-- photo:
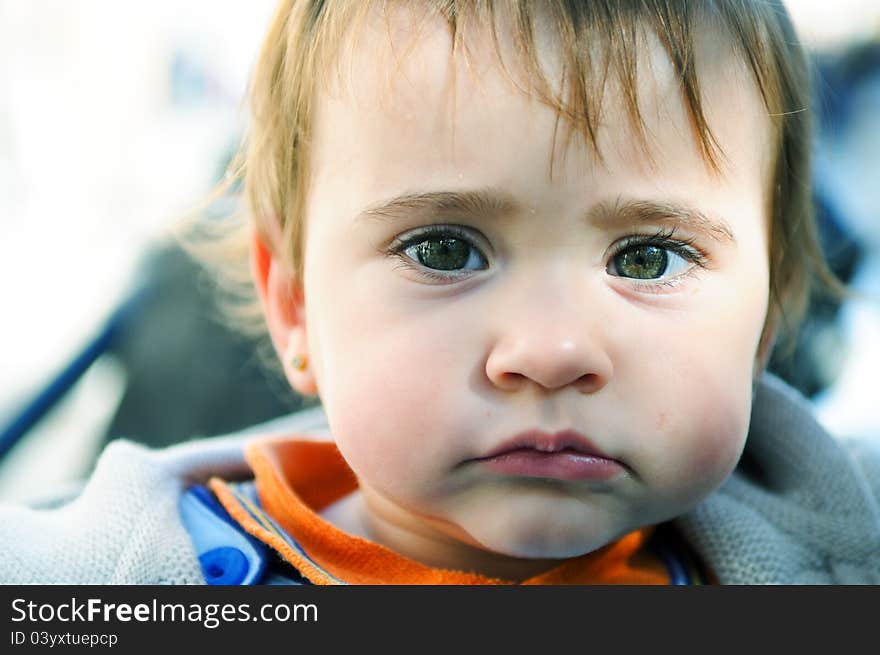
(697, 402)
(384, 429)
(716, 424)
(701, 425)
(387, 379)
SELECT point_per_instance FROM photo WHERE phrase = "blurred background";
(117, 118)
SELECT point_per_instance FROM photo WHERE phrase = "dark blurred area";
(845, 85)
(811, 364)
(190, 373)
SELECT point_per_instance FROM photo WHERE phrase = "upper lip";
(548, 443)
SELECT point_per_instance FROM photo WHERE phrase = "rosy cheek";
(716, 452)
(710, 431)
(387, 409)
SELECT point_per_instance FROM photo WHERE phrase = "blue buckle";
(227, 554)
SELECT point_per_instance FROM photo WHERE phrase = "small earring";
(299, 362)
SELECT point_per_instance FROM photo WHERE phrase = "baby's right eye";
(443, 250)
(446, 254)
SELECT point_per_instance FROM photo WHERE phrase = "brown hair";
(306, 37)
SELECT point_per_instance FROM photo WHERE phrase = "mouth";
(566, 455)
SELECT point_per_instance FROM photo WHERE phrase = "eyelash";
(398, 247)
(664, 239)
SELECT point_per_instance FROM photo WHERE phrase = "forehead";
(404, 88)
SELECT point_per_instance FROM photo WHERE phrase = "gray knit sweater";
(801, 508)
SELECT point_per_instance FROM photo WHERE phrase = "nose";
(555, 345)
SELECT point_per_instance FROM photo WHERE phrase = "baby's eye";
(446, 254)
(653, 259)
(646, 263)
(439, 248)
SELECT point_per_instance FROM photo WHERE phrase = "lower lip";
(561, 465)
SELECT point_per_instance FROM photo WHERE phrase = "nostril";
(589, 383)
(512, 381)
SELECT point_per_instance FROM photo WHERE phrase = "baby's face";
(529, 364)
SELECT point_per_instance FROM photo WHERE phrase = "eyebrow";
(658, 211)
(493, 202)
(488, 202)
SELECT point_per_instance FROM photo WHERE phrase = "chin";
(541, 538)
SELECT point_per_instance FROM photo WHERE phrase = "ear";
(283, 300)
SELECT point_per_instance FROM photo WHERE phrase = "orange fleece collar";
(295, 479)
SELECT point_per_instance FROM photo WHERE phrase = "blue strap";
(673, 559)
(58, 387)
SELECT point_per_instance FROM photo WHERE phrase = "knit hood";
(800, 508)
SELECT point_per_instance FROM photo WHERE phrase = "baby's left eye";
(650, 261)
